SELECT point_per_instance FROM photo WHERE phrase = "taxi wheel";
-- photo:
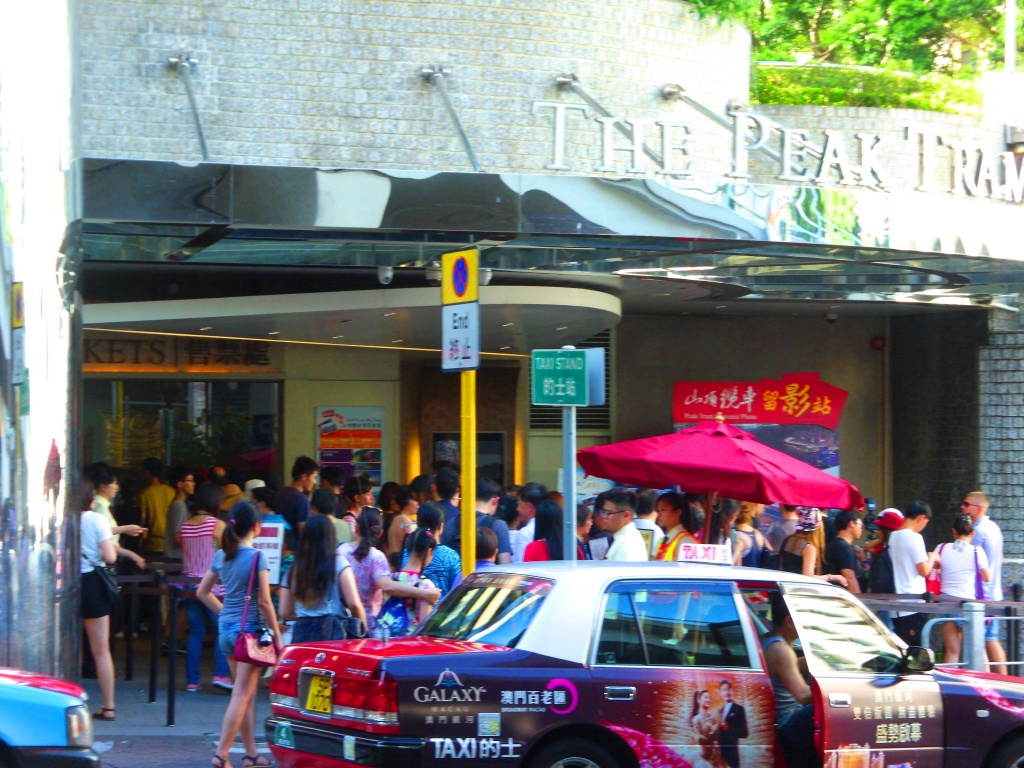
(1011, 755)
(574, 753)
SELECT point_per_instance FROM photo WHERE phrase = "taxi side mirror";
(918, 659)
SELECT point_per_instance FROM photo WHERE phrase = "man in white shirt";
(617, 516)
(911, 563)
(644, 520)
(989, 537)
(530, 495)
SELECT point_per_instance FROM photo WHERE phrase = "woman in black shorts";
(97, 551)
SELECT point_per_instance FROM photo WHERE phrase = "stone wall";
(317, 83)
(935, 412)
(1001, 465)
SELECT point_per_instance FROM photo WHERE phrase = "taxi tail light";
(820, 721)
(382, 695)
(349, 693)
(285, 682)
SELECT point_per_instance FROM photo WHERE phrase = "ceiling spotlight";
(507, 325)
(390, 314)
(206, 328)
(273, 333)
(397, 341)
(505, 347)
(337, 337)
(562, 328)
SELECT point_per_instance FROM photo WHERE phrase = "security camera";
(385, 275)
(485, 275)
(832, 317)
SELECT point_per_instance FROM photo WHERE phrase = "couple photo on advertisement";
(718, 729)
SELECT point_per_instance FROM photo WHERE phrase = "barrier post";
(974, 636)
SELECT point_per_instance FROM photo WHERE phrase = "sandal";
(253, 761)
(219, 762)
(106, 713)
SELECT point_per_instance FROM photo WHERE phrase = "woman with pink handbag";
(250, 639)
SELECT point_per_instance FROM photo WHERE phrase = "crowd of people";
(357, 562)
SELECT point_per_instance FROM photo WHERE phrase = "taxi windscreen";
(488, 608)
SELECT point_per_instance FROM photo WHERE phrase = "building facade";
(262, 193)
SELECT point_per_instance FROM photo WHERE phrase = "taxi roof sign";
(459, 276)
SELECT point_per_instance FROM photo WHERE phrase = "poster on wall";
(797, 414)
(796, 398)
(353, 439)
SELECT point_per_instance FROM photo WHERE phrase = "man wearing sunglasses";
(989, 537)
(616, 513)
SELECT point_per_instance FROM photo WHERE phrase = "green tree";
(920, 35)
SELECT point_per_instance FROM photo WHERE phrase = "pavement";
(140, 736)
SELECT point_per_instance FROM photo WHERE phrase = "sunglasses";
(610, 512)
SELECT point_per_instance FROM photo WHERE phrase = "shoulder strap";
(248, 589)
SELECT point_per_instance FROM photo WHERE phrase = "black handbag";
(108, 582)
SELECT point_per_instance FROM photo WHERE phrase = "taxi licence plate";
(318, 699)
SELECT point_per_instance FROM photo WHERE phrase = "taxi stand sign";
(568, 377)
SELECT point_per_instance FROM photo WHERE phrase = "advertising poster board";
(271, 543)
(352, 438)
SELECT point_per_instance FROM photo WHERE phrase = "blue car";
(44, 723)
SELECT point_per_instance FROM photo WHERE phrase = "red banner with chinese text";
(798, 398)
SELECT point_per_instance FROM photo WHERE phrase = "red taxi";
(612, 665)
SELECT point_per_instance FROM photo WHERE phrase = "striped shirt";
(198, 549)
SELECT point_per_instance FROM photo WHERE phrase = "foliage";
(198, 444)
(859, 87)
(951, 36)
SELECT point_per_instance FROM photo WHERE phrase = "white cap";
(250, 485)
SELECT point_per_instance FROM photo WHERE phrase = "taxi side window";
(685, 626)
(839, 635)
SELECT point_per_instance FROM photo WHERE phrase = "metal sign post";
(460, 351)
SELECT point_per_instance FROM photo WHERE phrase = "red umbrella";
(714, 457)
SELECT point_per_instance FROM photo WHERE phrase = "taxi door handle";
(839, 699)
(619, 692)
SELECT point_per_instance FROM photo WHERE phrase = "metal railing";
(969, 614)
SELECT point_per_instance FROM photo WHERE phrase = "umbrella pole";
(709, 506)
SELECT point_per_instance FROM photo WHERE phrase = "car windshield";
(493, 608)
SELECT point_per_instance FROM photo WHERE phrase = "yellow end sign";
(459, 276)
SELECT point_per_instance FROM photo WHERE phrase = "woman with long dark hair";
(372, 572)
(97, 542)
(445, 568)
(233, 567)
(320, 584)
(402, 616)
(547, 542)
